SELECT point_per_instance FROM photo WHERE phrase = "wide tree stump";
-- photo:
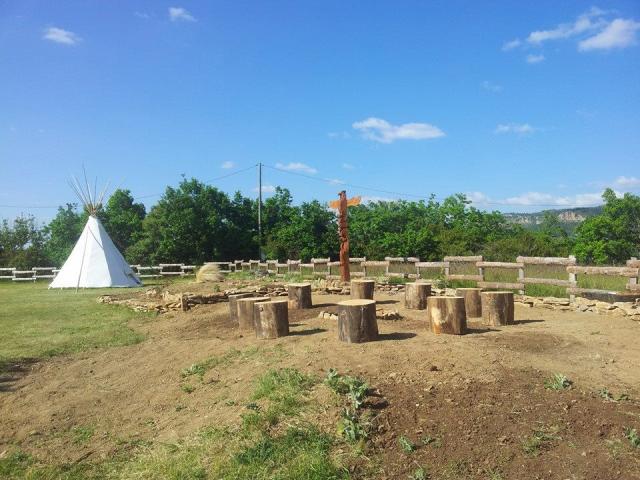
(299, 295)
(245, 311)
(233, 304)
(497, 308)
(415, 295)
(447, 315)
(357, 321)
(362, 289)
(271, 319)
(472, 302)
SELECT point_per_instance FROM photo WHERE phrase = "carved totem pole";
(343, 231)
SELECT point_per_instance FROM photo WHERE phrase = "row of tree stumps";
(269, 318)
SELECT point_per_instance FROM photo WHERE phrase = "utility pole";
(260, 210)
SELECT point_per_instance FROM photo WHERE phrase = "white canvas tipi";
(95, 260)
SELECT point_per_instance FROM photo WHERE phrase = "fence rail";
(411, 267)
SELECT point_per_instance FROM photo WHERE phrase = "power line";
(422, 197)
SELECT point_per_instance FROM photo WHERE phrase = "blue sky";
(522, 106)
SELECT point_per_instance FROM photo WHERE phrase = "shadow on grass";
(13, 370)
(396, 336)
(524, 322)
(311, 331)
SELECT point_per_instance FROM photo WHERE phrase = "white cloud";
(491, 87)
(266, 189)
(510, 45)
(179, 14)
(518, 128)
(620, 33)
(368, 199)
(59, 35)
(143, 15)
(227, 165)
(531, 58)
(380, 130)
(539, 199)
(586, 22)
(339, 135)
(334, 181)
(297, 167)
(348, 166)
(627, 182)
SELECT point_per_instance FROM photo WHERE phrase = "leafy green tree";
(63, 233)
(189, 224)
(614, 235)
(123, 219)
(22, 244)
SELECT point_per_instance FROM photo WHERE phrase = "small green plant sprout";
(350, 428)
(407, 445)
(353, 387)
(429, 440)
(253, 406)
(557, 382)
(419, 474)
(188, 388)
(540, 439)
(604, 393)
(632, 435)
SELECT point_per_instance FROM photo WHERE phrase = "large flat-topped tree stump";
(447, 315)
(362, 289)
(357, 321)
(233, 304)
(415, 295)
(472, 302)
(271, 319)
(299, 295)
(245, 311)
(497, 308)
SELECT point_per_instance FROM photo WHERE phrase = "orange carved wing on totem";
(350, 203)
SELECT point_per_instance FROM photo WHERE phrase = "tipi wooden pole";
(362, 289)
(497, 308)
(447, 315)
(233, 305)
(472, 302)
(245, 312)
(357, 321)
(271, 319)
(299, 296)
(415, 295)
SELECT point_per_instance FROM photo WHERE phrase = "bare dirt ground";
(474, 406)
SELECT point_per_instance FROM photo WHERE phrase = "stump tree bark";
(472, 302)
(299, 295)
(271, 319)
(497, 308)
(357, 321)
(362, 289)
(245, 312)
(415, 295)
(447, 315)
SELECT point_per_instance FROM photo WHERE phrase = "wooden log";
(447, 315)
(432, 264)
(472, 302)
(233, 304)
(471, 258)
(245, 311)
(547, 260)
(357, 321)
(415, 295)
(299, 296)
(622, 271)
(271, 319)
(548, 281)
(504, 285)
(497, 308)
(362, 289)
(499, 265)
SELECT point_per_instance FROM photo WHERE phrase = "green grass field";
(38, 323)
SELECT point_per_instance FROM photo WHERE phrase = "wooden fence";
(452, 268)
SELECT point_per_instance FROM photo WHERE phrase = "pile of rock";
(621, 309)
(154, 301)
(327, 315)
(383, 314)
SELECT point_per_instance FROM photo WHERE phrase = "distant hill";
(570, 218)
